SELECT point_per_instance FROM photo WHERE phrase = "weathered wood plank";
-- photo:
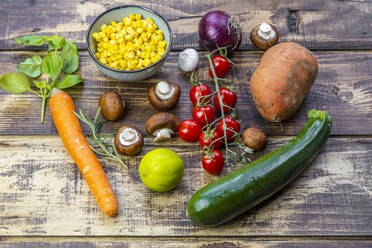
(43, 194)
(316, 24)
(197, 242)
(343, 87)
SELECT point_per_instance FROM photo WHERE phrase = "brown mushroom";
(129, 140)
(264, 36)
(112, 106)
(162, 125)
(163, 95)
(254, 139)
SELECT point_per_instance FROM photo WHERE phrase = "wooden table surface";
(45, 202)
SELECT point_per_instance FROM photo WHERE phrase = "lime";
(161, 170)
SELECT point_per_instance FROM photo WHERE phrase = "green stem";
(44, 96)
(98, 140)
(215, 79)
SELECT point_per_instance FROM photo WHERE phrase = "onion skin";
(219, 29)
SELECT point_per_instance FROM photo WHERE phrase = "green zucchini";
(241, 190)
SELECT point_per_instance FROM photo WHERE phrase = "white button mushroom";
(162, 126)
(264, 36)
(129, 140)
(163, 95)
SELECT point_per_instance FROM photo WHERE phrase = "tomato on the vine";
(208, 137)
(230, 124)
(204, 114)
(189, 130)
(228, 98)
(201, 92)
(213, 163)
(221, 66)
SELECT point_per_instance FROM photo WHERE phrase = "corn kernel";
(138, 17)
(162, 43)
(128, 37)
(95, 36)
(153, 59)
(161, 51)
(146, 62)
(150, 28)
(103, 27)
(149, 20)
(127, 20)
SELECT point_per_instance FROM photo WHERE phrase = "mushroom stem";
(162, 134)
(128, 137)
(265, 31)
(164, 90)
(248, 150)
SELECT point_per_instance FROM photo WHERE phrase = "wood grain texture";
(197, 242)
(343, 88)
(42, 193)
(317, 24)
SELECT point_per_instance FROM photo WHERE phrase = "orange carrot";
(70, 131)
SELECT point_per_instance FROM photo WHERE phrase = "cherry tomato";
(228, 98)
(209, 136)
(221, 66)
(200, 91)
(213, 163)
(203, 115)
(189, 130)
(230, 124)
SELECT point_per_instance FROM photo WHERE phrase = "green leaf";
(31, 66)
(14, 83)
(31, 40)
(52, 65)
(56, 42)
(39, 84)
(68, 81)
(70, 57)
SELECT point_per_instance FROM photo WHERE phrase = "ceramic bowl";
(117, 14)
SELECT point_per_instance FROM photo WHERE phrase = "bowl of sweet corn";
(129, 43)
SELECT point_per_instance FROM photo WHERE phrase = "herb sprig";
(106, 152)
(61, 56)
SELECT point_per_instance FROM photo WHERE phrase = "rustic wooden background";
(44, 201)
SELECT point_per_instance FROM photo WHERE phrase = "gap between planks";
(188, 238)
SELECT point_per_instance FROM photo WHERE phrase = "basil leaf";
(14, 83)
(70, 57)
(56, 42)
(68, 81)
(31, 40)
(31, 66)
(52, 65)
(39, 84)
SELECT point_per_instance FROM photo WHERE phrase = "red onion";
(218, 29)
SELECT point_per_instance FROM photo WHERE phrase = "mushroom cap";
(254, 138)
(112, 106)
(160, 104)
(162, 120)
(132, 149)
(262, 43)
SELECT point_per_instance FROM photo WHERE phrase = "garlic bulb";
(188, 60)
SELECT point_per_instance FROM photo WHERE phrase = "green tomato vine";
(230, 155)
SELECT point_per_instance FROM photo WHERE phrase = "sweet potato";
(281, 81)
